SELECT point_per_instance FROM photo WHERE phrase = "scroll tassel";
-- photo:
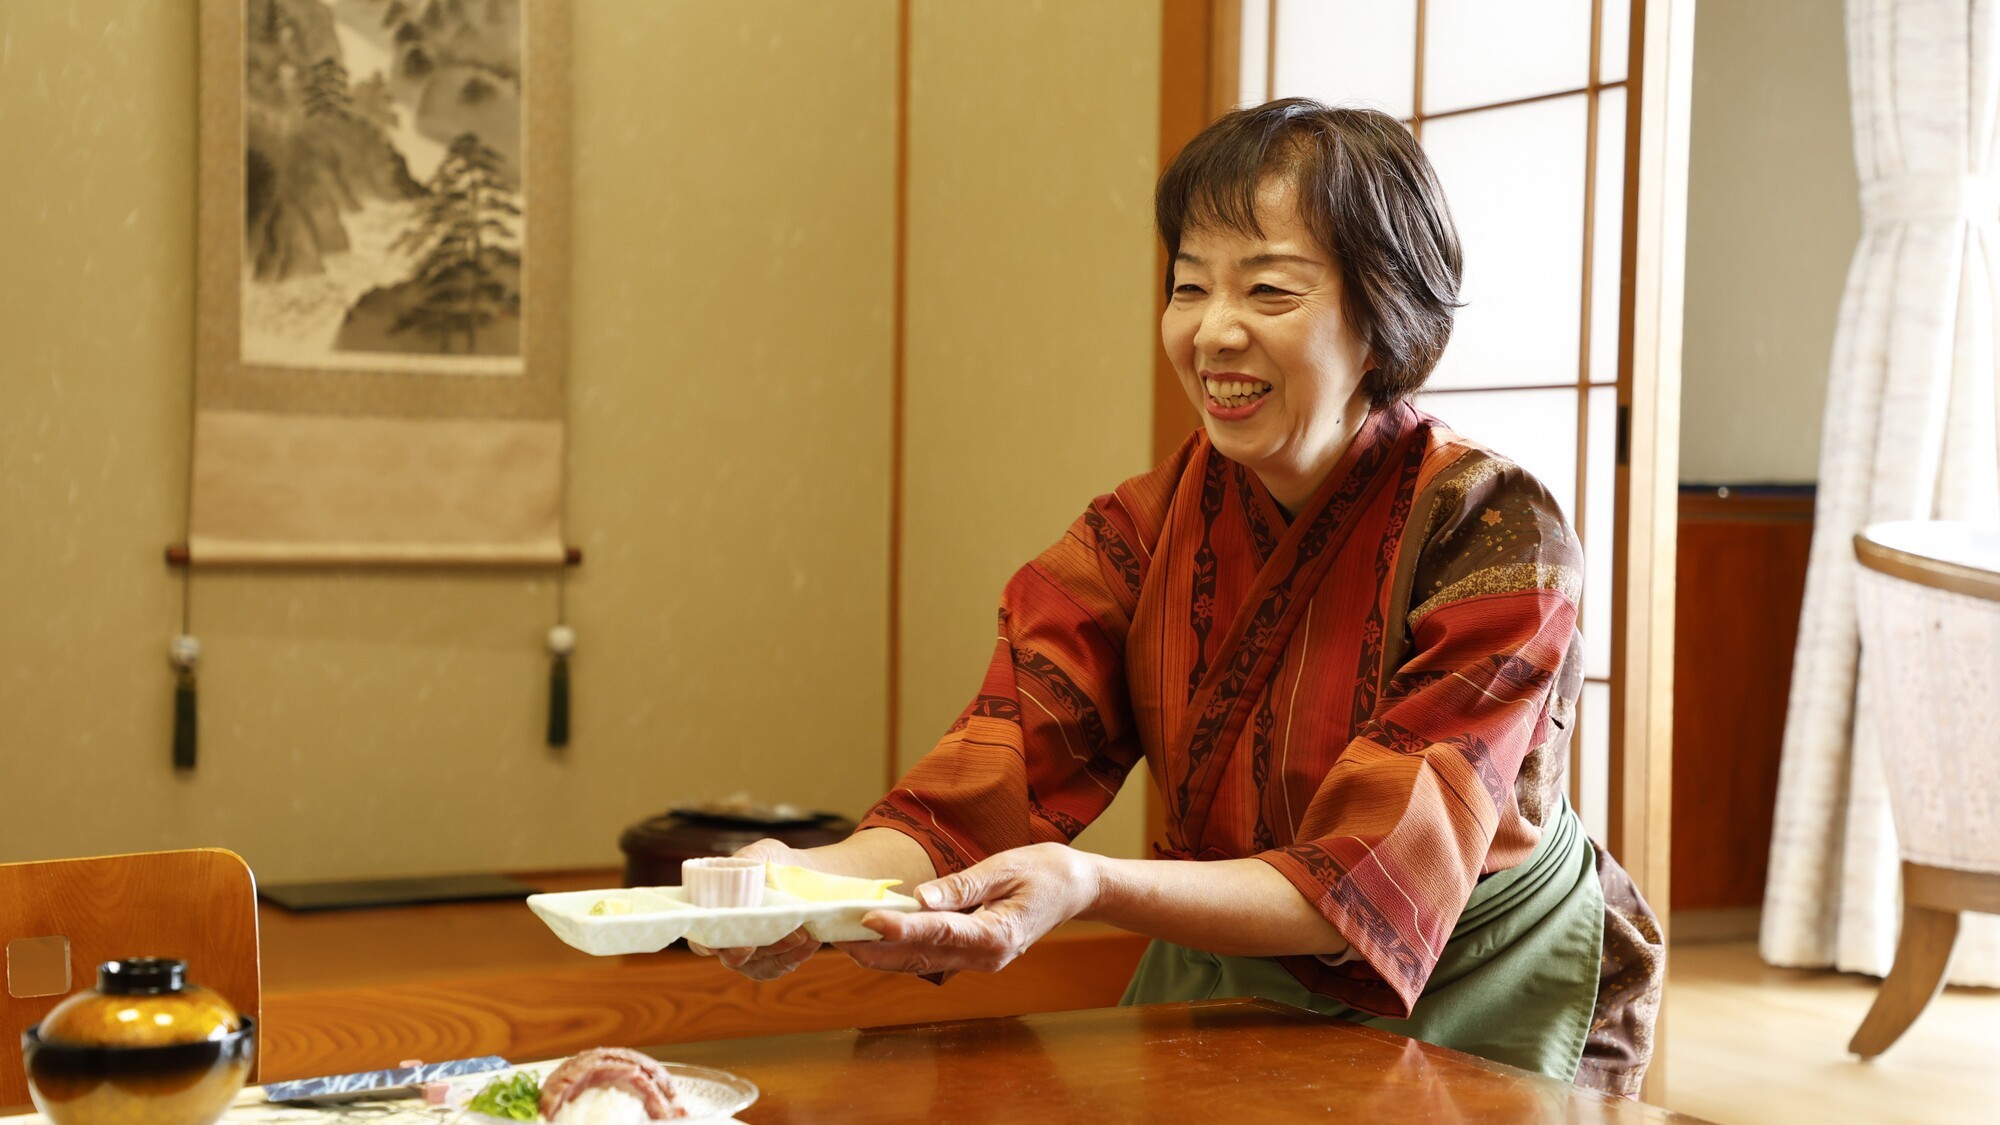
(185, 652)
(562, 640)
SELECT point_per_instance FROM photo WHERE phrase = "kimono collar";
(1263, 625)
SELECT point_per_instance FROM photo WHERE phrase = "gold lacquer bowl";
(174, 1084)
(144, 1047)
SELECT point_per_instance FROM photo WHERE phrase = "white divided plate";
(662, 915)
(706, 1093)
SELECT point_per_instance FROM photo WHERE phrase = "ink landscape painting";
(385, 202)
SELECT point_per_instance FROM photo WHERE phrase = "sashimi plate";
(660, 916)
(705, 1092)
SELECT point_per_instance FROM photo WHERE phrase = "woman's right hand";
(768, 962)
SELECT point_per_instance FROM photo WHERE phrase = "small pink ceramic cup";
(723, 881)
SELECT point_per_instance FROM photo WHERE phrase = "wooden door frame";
(1198, 81)
(1649, 392)
(1659, 109)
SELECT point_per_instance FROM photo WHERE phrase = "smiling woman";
(1288, 256)
(1263, 347)
(1339, 636)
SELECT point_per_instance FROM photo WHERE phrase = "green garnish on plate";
(517, 1098)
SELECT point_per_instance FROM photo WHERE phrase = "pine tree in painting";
(464, 225)
(326, 90)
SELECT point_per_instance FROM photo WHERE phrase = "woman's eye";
(1187, 290)
(1266, 291)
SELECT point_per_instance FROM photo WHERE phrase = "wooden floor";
(1751, 1044)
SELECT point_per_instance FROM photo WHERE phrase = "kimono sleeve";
(1043, 748)
(1405, 823)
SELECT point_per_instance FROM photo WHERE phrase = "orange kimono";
(1373, 698)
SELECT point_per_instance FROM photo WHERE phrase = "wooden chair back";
(198, 905)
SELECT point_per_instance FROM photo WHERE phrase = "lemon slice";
(818, 886)
(611, 906)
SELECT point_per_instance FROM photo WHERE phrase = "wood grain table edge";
(663, 998)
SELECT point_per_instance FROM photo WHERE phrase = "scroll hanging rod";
(177, 555)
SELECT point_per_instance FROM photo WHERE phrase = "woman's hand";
(1020, 895)
(768, 962)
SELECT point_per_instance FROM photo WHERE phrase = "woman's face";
(1264, 350)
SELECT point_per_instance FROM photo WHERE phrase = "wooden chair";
(198, 905)
(1928, 598)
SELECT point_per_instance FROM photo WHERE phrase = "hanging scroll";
(382, 305)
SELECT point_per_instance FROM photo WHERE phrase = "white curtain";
(1909, 434)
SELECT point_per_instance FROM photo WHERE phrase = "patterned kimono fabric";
(1373, 698)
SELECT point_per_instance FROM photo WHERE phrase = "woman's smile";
(1232, 397)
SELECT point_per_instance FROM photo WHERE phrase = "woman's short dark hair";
(1370, 199)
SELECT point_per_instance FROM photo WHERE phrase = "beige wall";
(730, 391)
(1773, 218)
(1034, 137)
(733, 209)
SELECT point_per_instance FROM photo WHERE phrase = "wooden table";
(1219, 1060)
(363, 989)
(1214, 1061)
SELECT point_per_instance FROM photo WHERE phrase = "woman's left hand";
(1020, 895)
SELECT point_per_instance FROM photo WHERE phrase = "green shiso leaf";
(517, 1098)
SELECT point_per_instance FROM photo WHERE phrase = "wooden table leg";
(1921, 955)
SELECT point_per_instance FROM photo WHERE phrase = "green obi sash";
(1516, 983)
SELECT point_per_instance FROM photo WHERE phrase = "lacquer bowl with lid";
(144, 1046)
